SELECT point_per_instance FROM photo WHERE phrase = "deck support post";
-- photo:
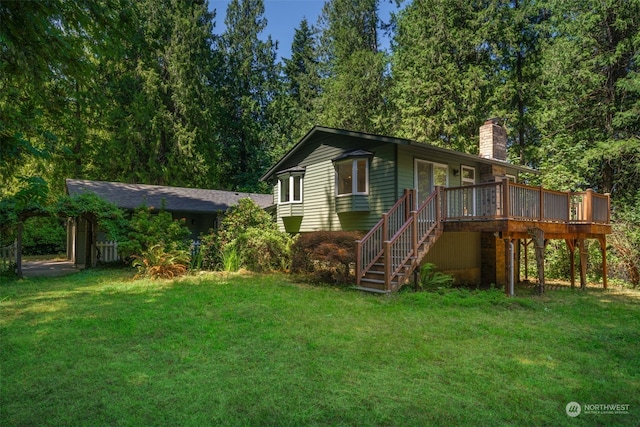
(583, 263)
(518, 260)
(603, 251)
(509, 267)
(571, 244)
(526, 244)
(538, 239)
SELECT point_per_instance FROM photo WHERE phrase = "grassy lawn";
(100, 348)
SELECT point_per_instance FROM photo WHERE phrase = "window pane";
(362, 175)
(284, 189)
(345, 169)
(423, 180)
(468, 174)
(440, 175)
(297, 188)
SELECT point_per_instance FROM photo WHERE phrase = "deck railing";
(401, 248)
(504, 199)
(401, 231)
(370, 247)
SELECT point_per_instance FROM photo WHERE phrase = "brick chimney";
(493, 140)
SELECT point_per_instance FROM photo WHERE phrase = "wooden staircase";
(394, 248)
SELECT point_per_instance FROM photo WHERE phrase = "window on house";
(352, 176)
(428, 176)
(468, 175)
(290, 188)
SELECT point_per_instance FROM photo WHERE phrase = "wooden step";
(374, 290)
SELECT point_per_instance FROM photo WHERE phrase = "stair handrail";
(370, 248)
(413, 233)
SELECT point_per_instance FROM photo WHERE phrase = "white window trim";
(433, 165)
(415, 171)
(462, 179)
(354, 177)
(281, 179)
(512, 178)
(469, 210)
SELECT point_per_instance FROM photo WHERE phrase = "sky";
(284, 16)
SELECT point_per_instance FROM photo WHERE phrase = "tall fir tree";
(248, 83)
(48, 98)
(514, 31)
(591, 126)
(440, 67)
(160, 118)
(353, 68)
(302, 78)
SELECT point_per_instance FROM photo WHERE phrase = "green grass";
(99, 348)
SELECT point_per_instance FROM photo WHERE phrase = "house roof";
(176, 199)
(319, 131)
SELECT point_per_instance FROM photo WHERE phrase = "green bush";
(249, 238)
(147, 229)
(241, 217)
(263, 250)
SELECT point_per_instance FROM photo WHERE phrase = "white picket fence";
(108, 251)
(8, 256)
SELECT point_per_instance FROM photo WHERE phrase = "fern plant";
(432, 279)
(156, 262)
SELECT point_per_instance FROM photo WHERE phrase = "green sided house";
(202, 210)
(419, 203)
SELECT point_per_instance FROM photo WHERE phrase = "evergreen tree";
(302, 78)
(353, 69)
(591, 126)
(48, 53)
(248, 83)
(441, 70)
(160, 118)
(513, 31)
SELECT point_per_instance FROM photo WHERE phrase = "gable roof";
(319, 131)
(176, 199)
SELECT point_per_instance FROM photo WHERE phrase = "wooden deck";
(395, 247)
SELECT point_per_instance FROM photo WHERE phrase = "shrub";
(241, 217)
(157, 262)
(263, 250)
(432, 279)
(327, 255)
(211, 252)
(248, 237)
(147, 230)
